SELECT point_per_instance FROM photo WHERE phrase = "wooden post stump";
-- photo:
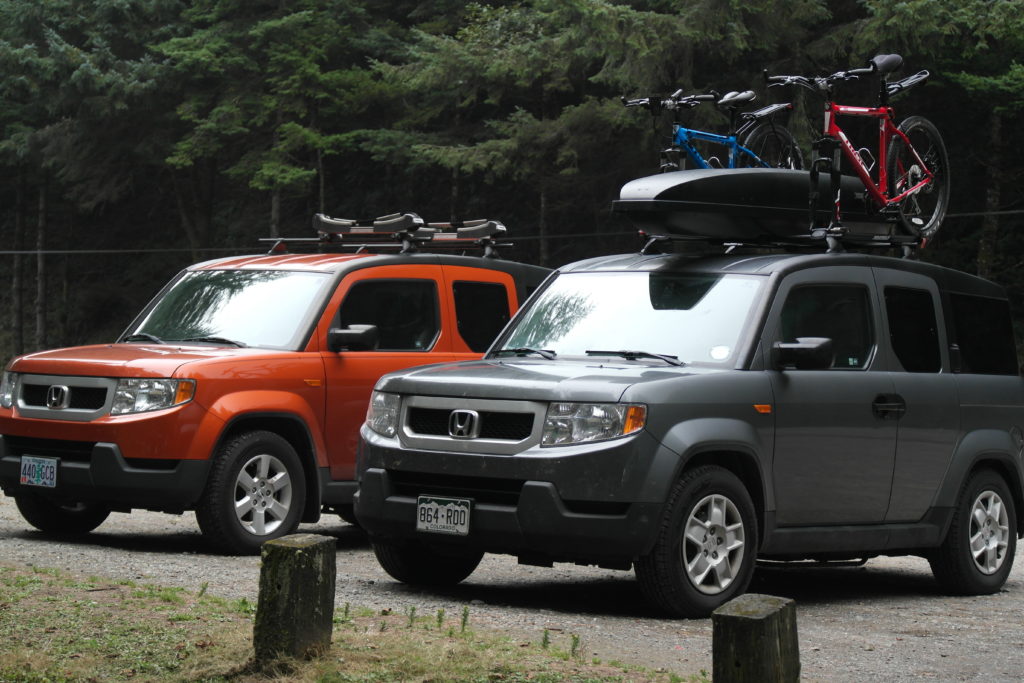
(754, 639)
(295, 612)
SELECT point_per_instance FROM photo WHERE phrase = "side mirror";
(352, 338)
(807, 353)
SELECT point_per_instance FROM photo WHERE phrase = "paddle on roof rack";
(406, 232)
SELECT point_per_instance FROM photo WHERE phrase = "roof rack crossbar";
(833, 241)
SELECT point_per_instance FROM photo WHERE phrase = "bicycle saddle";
(886, 64)
(734, 99)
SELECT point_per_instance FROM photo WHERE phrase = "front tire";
(976, 556)
(706, 546)
(60, 518)
(419, 564)
(255, 493)
(921, 213)
(775, 146)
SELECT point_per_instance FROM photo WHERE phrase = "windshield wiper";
(215, 340)
(144, 336)
(525, 351)
(633, 355)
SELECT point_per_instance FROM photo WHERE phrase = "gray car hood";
(532, 379)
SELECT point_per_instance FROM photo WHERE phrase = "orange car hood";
(122, 360)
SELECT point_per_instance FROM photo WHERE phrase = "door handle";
(889, 406)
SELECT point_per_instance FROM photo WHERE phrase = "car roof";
(782, 263)
(338, 262)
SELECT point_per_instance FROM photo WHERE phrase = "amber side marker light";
(186, 390)
(636, 416)
(763, 408)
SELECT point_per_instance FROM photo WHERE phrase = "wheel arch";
(1004, 466)
(989, 448)
(295, 431)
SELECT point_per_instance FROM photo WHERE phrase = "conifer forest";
(140, 136)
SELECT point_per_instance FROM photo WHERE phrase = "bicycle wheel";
(921, 213)
(774, 145)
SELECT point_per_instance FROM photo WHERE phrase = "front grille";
(493, 424)
(80, 451)
(429, 421)
(81, 398)
(480, 489)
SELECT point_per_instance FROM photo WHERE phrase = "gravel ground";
(884, 621)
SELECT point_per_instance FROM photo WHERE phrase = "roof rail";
(406, 232)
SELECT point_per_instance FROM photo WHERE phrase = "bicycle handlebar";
(674, 101)
(880, 64)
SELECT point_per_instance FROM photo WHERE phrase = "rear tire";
(976, 556)
(52, 517)
(706, 547)
(419, 564)
(255, 493)
(774, 144)
(920, 214)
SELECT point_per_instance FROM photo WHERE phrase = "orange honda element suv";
(239, 391)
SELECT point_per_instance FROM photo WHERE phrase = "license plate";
(443, 515)
(39, 471)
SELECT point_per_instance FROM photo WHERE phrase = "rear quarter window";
(482, 310)
(984, 334)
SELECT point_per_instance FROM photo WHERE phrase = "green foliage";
(194, 125)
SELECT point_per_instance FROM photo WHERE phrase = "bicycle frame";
(683, 137)
(887, 130)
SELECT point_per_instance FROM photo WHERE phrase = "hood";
(530, 379)
(122, 360)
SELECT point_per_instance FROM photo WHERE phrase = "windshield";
(697, 318)
(268, 308)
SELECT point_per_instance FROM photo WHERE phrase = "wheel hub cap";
(263, 495)
(713, 544)
(989, 532)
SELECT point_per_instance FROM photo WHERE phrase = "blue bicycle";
(758, 142)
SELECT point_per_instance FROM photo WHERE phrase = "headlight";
(382, 413)
(569, 423)
(8, 389)
(142, 395)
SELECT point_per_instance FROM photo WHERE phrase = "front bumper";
(99, 472)
(600, 503)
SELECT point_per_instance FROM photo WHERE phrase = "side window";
(984, 334)
(481, 309)
(404, 311)
(912, 329)
(840, 312)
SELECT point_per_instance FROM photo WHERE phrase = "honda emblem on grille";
(57, 397)
(464, 424)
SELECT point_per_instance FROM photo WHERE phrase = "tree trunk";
(453, 208)
(41, 303)
(275, 212)
(542, 228)
(320, 177)
(275, 194)
(193, 196)
(993, 198)
(18, 276)
(64, 331)
(321, 182)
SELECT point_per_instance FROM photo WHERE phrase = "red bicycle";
(912, 186)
